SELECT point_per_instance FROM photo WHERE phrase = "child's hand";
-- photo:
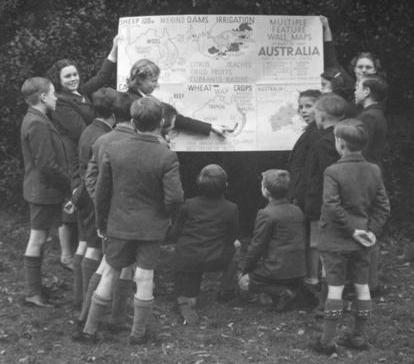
(324, 21)
(101, 235)
(69, 207)
(365, 238)
(244, 282)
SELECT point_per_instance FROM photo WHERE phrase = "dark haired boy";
(355, 208)
(88, 254)
(46, 181)
(275, 260)
(138, 188)
(205, 231)
(329, 110)
(371, 93)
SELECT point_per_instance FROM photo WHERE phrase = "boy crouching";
(275, 259)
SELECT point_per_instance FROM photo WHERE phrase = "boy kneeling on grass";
(355, 208)
(275, 260)
(205, 233)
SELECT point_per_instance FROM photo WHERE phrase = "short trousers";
(315, 234)
(122, 253)
(45, 217)
(336, 264)
(87, 226)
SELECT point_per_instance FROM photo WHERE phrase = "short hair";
(353, 133)
(122, 106)
(341, 83)
(372, 57)
(103, 101)
(276, 181)
(333, 105)
(315, 94)
(33, 87)
(168, 114)
(212, 181)
(141, 70)
(146, 113)
(378, 87)
(53, 72)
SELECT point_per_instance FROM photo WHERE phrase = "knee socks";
(93, 283)
(142, 313)
(33, 275)
(333, 312)
(77, 280)
(89, 267)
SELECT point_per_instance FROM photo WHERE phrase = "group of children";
(318, 229)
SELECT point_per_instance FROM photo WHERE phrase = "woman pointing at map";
(142, 82)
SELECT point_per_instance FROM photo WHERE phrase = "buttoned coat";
(46, 179)
(354, 197)
(277, 249)
(98, 148)
(138, 187)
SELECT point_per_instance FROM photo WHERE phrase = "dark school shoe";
(137, 340)
(357, 342)
(284, 303)
(323, 348)
(84, 338)
(224, 296)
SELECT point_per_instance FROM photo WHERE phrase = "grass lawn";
(235, 332)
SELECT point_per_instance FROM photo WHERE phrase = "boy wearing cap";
(275, 260)
(46, 179)
(205, 231)
(355, 209)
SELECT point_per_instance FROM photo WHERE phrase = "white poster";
(243, 72)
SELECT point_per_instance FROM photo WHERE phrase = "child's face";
(265, 192)
(339, 145)
(49, 98)
(69, 78)
(306, 109)
(364, 66)
(326, 86)
(148, 85)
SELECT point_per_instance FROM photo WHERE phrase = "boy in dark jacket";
(204, 232)
(275, 260)
(137, 190)
(329, 110)
(46, 179)
(355, 209)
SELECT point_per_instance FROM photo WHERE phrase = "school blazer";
(137, 189)
(277, 249)
(354, 197)
(91, 175)
(46, 179)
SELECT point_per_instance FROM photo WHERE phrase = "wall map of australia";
(243, 72)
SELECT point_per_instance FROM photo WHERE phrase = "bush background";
(33, 34)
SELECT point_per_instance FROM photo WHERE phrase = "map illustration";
(239, 72)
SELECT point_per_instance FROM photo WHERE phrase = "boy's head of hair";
(122, 107)
(330, 107)
(351, 134)
(146, 114)
(33, 88)
(314, 94)
(378, 87)
(212, 181)
(275, 183)
(103, 101)
(169, 113)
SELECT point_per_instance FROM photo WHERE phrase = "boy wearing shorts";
(46, 180)
(138, 188)
(355, 209)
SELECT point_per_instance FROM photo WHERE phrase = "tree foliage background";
(34, 34)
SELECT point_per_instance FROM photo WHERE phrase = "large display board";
(241, 71)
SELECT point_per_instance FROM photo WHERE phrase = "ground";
(235, 332)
